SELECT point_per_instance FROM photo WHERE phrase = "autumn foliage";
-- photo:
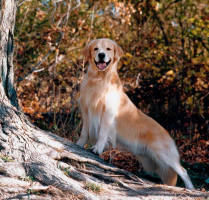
(165, 67)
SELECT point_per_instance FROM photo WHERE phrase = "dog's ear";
(118, 51)
(87, 51)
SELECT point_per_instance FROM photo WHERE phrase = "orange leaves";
(122, 160)
(123, 12)
(30, 103)
(41, 14)
(195, 150)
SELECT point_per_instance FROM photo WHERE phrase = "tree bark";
(7, 22)
(36, 164)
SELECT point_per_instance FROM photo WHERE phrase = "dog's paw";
(97, 150)
(81, 142)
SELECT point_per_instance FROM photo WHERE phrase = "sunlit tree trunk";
(7, 22)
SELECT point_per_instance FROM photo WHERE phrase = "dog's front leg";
(104, 132)
(84, 134)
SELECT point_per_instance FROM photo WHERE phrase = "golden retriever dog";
(109, 116)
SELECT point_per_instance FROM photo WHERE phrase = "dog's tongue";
(101, 65)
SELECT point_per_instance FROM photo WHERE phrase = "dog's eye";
(95, 49)
(108, 49)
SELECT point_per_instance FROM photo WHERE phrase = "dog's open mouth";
(102, 65)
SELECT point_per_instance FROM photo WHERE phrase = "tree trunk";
(36, 164)
(7, 22)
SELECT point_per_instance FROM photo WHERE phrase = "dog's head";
(102, 53)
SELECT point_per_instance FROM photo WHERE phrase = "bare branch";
(35, 68)
(22, 2)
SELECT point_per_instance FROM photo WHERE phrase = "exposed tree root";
(31, 160)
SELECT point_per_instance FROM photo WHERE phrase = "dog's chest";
(100, 100)
(112, 101)
(100, 103)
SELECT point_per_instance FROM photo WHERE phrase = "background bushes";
(165, 67)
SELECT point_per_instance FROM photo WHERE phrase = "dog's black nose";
(101, 56)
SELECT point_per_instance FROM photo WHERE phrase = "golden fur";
(109, 117)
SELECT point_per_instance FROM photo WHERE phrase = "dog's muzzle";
(101, 65)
